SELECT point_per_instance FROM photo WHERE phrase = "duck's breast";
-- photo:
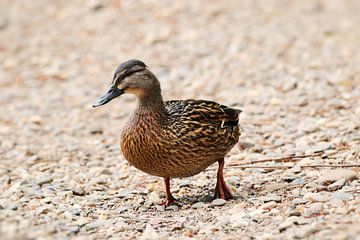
(142, 144)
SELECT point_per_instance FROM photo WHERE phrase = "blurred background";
(282, 62)
(292, 66)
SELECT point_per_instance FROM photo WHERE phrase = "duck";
(175, 138)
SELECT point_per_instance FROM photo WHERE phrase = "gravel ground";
(292, 66)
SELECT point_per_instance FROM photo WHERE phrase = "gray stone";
(150, 233)
(299, 201)
(330, 176)
(285, 225)
(278, 143)
(299, 181)
(341, 195)
(99, 181)
(223, 220)
(296, 193)
(256, 213)
(233, 180)
(44, 180)
(296, 169)
(96, 130)
(205, 198)
(184, 183)
(106, 172)
(242, 192)
(303, 221)
(143, 209)
(11, 205)
(271, 198)
(73, 230)
(46, 200)
(173, 207)
(125, 193)
(238, 220)
(160, 208)
(313, 210)
(275, 186)
(292, 219)
(79, 191)
(153, 198)
(245, 145)
(42, 210)
(96, 5)
(75, 212)
(198, 205)
(96, 224)
(341, 211)
(124, 208)
(218, 202)
(177, 226)
(337, 185)
(68, 216)
(295, 213)
(288, 178)
(309, 127)
(317, 197)
(268, 205)
(304, 231)
(319, 147)
(122, 226)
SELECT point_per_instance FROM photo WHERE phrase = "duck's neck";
(151, 102)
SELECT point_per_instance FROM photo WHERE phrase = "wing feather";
(203, 123)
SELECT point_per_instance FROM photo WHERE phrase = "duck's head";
(132, 77)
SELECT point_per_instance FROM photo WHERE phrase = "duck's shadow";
(204, 197)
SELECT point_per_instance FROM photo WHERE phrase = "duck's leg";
(169, 198)
(221, 190)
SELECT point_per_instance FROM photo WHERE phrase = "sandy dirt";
(291, 66)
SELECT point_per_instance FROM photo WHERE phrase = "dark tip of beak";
(112, 93)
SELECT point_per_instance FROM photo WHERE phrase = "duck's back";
(191, 135)
(203, 123)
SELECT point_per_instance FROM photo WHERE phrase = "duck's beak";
(112, 93)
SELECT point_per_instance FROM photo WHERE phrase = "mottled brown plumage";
(177, 138)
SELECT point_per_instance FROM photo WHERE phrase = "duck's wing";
(202, 112)
(204, 122)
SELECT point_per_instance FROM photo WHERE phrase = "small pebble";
(149, 233)
(319, 147)
(298, 201)
(78, 191)
(96, 224)
(44, 180)
(331, 176)
(198, 205)
(218, 202)
(295, 213)
(313, 210)
(271, 198)
(285, 225)
(337, 185)
(172, 207)
(268, 205)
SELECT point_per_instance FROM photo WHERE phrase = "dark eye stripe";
(116, 79)
(121, 76)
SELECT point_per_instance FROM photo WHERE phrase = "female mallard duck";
(177, 138)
